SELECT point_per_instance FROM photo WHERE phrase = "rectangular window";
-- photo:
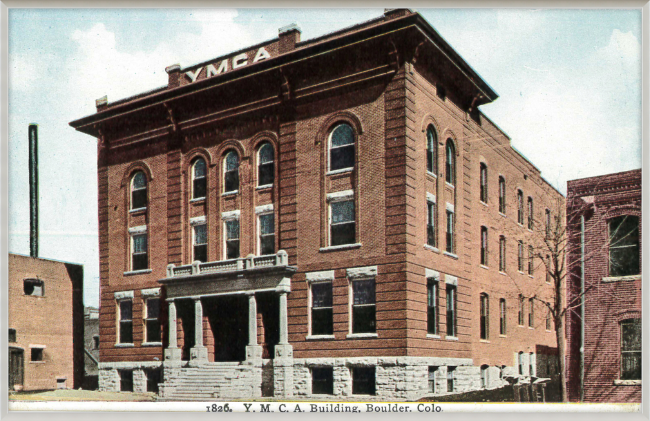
(126, 322)
(12, 335)
(33, 287)
(531, 215)
(451, 247)
(152, 324)
(521, 310)
(502, 316)
(322, 381)
(624, 246)
(431, 224)
(531, 364)
(548, 320)
(484, 376)
(363, 381)
(200, 243)
(520, 207)
(321, 308)
(484, 183)
(126, 380)
(485, 317)
(36, 354)
(451, 377)
(531, 312)
(232, 239)
(484, 246)
(139, 252)
(96, 342)
(153, 378)
(451, 310)
(267, 234)
(548, 223)
(342, 223)
(531, 260)
(363, 306)
(520, 256)
(631, 349)
(433, 373)
(432, 307)
(502, 254)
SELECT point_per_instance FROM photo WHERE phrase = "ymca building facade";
(329, 218)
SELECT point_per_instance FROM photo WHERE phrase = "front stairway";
(210, 381)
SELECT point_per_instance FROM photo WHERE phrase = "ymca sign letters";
(225, 65)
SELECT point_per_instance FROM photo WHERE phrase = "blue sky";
(569, 83)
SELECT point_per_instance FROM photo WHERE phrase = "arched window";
(520, 207)
(199, 184)
(231, 172)
(531, 215)
(432, 150)
(502, 195)
(265, 166)
(502, 254)
(450, 163)
(484, 183)
(484, 246)
(341, 144)
(138, 190)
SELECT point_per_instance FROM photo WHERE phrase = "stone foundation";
(109, 374)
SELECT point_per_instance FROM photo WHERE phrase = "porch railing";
(230, 265)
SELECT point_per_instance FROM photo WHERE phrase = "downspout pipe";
(582, 308)
(33, 189)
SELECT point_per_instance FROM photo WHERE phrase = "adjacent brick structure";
(610, 299)
(389, 80)
(45, 323)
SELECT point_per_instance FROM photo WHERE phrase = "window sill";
(138, 210)
(341, 247)
(484, 341)
(484, 203)
(432, 248)
(521, 272)
(124, 345)
(151, 344)
(360, 335)
(627, 382)
(137, 272)
(531, 328)
(503, 273)
(341, 171)
(452, 255)
(531, 276)
(197, 200)
(264, 187)
(484, 267)
(33, 295)
(230, 193)
(318, 337)
(502, 336)
(451, 186)
(451, 338)
(622, 278)
(429, 173)
(37, 362)
(503, 214)
(431, 336)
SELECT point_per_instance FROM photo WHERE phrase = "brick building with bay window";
(327, 218)
(610, 206)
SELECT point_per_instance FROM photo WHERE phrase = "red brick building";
(610, 207)
(44, 354)
(324, 217)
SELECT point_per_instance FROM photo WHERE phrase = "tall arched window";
(138, 190)
(502, 254)
(432, 150)
(484, 183)
(502, 195)
(341, 148)
(485, 316)
(231, 172)
(199, 183)
(484, 246)
(531, 215)
(265, 166)
(520, 207)
(450, 163)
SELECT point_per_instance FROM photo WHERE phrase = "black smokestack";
(33, 190)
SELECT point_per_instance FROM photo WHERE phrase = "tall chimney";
(33, 190)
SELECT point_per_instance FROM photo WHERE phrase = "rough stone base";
(109, 375)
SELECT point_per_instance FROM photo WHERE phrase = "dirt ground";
(81, 395)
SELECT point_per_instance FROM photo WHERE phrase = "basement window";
(126, 380)
(363, 381)
(33, 287)
(322, 381)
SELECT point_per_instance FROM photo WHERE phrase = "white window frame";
(227, 217)
(121, 296)
(321, 277)
(342, 196)
(261, 211)
(193, 178)
(259, 164)
(329, 149)
(134, 232)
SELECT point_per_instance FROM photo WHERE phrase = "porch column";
(253, 350)
(283, 359)
(198, 353)
(172, 353)
(252, 319)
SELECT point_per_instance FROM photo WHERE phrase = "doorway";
(16, 367)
